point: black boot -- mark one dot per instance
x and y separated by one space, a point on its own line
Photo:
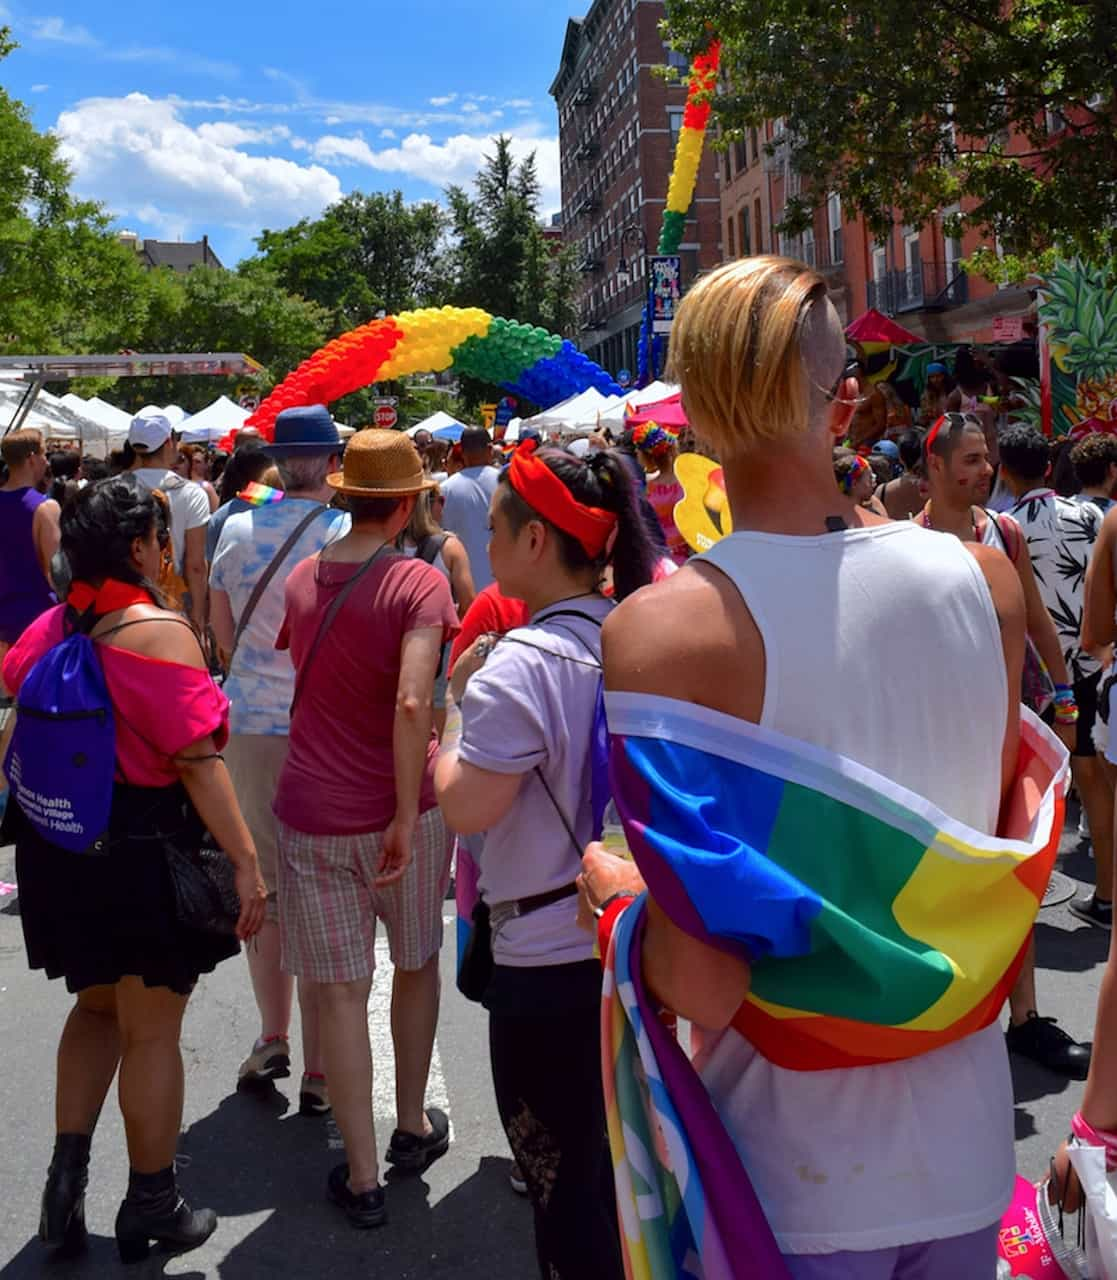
154 1210
62 1220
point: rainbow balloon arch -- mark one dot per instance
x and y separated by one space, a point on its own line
521 359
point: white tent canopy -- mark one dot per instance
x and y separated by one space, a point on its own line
613 415
114 420
214 422
56 419
432 424
579 413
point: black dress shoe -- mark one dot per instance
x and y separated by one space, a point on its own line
62 1218
1044 1041
154 1210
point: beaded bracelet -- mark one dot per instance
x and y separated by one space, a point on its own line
1066 708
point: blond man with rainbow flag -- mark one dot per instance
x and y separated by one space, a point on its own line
839 900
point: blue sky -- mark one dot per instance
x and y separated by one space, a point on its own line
226 118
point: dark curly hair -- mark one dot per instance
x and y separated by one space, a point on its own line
1092 457
602 480
1025 451
99 527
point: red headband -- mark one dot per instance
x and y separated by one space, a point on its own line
544 492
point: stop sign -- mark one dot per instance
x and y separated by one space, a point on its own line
385 416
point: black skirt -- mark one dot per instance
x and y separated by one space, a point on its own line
96 918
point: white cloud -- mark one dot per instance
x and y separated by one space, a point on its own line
184 61
55 30
225 133
37 88
384 133
444 101
61 32
141 158
454 160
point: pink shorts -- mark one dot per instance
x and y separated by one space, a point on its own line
329 903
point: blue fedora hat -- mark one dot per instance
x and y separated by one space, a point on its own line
308 429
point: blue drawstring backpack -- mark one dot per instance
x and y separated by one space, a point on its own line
61 760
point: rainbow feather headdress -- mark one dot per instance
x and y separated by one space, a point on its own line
877 928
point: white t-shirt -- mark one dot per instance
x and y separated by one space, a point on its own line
468 495
261 682
526 708
882 1156
188 501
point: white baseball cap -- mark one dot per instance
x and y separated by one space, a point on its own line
149 432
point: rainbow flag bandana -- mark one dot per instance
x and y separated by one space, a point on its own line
260 495
877 927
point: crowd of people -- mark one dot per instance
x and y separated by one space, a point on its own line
359 671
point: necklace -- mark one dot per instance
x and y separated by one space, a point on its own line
925 521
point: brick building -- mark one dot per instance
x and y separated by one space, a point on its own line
913 276
618 123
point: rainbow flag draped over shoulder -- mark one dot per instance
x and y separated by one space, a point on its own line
877 928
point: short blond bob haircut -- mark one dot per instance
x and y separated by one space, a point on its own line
749 348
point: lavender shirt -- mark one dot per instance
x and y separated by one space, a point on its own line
526 708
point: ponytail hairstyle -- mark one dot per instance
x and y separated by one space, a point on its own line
657 442
601 481
98 529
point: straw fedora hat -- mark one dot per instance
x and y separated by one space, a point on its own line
381 464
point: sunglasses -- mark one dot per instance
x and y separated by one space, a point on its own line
951 421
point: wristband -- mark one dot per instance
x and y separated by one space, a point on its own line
599 911
607 915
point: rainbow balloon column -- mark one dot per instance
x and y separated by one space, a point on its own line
522 359
684 177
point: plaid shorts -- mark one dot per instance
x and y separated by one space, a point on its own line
329 903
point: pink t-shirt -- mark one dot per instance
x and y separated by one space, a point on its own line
161 707
664 498
339 777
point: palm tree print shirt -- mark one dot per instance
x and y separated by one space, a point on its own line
1061 533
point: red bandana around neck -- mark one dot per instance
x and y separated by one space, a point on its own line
108 598
544 492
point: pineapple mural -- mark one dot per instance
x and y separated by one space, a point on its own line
1079 306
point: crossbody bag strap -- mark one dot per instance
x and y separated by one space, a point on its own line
268 574
328 620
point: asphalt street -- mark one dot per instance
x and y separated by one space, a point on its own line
263 1167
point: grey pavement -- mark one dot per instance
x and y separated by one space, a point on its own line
263 1167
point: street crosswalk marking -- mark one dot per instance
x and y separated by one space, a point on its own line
383 1056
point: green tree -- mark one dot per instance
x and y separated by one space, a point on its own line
907 113
560 298
366 253
63 275
498 248
215 310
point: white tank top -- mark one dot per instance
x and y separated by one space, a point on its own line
882 644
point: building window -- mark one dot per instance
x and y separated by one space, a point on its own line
739 157
880 263
679 61
952 245
808 254
758 224
912 262
730 240
724 160
675 126
834 222
754 138
746 233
